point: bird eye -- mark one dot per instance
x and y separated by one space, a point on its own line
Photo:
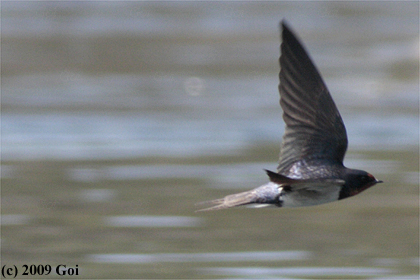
368 178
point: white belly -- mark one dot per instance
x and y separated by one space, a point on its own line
310 196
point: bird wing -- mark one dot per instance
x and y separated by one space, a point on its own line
296 184
314 128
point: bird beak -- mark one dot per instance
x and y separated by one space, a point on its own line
379 181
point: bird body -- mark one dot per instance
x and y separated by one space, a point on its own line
310 170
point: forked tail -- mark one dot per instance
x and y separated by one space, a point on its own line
229 201
266 194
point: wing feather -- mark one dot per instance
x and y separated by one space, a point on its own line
314 128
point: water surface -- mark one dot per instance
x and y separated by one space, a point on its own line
117 117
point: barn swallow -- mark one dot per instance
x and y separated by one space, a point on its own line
310 170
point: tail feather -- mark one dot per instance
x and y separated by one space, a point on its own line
229 201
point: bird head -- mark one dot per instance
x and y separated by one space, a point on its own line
356 182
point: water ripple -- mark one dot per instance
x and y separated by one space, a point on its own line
298 271
151 221
199 257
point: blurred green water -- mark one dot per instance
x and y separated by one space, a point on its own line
64 227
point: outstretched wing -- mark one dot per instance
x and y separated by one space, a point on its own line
314 128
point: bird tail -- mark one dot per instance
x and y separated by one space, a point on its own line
229 201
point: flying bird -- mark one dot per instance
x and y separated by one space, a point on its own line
310 170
